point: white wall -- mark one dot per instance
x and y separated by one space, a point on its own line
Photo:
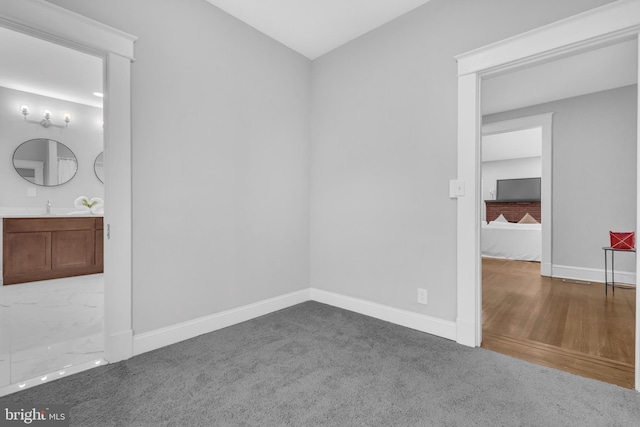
508 169
594 173
220 137
83 136
384 150
227 223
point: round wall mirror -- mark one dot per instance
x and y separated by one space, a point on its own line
45 162
98 166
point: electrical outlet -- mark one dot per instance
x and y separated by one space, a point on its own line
422 296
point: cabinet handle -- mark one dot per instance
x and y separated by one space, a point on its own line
108 231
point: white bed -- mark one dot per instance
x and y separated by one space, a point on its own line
512 241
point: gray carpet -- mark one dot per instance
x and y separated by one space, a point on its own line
313 364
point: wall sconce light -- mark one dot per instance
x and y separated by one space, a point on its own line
46 118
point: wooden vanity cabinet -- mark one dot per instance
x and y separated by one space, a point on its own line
51 248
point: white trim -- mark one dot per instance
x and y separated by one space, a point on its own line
545 123
547 197
614 22
118 254
469 297
48 21
159 338
591 274
118 345
409 319
637 361
606 24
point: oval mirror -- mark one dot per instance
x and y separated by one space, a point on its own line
45 162
98 166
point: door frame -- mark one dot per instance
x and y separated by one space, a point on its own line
612 23
52 23
545 123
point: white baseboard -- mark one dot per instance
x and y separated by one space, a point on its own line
182 331
591 274
409 319
159 338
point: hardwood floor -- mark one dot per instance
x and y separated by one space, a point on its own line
563 325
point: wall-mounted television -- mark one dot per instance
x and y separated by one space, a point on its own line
518 190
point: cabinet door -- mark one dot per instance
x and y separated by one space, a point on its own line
27 253
72 249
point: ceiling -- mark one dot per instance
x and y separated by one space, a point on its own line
33 65
315 27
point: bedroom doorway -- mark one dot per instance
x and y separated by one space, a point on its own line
556 313
516 155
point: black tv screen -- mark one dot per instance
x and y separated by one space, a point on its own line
518 190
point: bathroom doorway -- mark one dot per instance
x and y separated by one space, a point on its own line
50 328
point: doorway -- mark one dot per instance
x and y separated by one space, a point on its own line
52 325
49 22
535 160
589 178
606 25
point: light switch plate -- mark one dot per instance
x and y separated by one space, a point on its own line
456 188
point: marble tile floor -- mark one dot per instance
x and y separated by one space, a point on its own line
50 325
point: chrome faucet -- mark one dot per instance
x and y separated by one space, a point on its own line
48 207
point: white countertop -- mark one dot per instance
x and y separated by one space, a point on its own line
40 212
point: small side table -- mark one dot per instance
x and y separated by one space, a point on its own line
612 283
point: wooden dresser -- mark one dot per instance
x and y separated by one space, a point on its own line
42 248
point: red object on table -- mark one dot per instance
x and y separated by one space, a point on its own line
622 240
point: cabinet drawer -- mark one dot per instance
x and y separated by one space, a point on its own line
26 225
